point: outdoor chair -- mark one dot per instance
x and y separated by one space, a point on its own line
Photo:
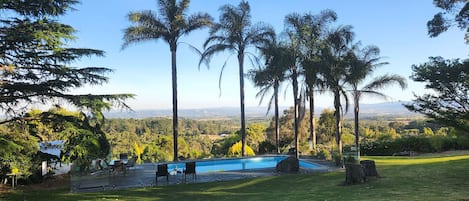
123 156
162 170
131 162
119 166
190 169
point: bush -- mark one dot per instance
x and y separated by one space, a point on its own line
266 147
324 154
235 150
462 142
436 143
422 144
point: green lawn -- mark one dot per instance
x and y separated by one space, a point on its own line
432 177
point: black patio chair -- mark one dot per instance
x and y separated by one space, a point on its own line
119 166
131 162
162 170
190 169
123 156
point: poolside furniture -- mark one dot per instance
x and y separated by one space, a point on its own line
162 170
131 162
190 169
123 156
118 165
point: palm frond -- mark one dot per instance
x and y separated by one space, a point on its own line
373 93
221 73
384 81
211 51
198 21
148 27
215 39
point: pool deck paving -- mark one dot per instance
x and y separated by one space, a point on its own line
144 175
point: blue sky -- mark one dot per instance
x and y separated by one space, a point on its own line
397 27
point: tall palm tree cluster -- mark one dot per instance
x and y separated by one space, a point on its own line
317 57
311 54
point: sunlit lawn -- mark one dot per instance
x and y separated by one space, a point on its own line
433 177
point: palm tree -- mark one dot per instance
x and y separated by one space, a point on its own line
333 69
271 77
305 32
293 30
310 30
236 33
170 24
362 63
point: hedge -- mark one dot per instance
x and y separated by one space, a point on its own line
420 144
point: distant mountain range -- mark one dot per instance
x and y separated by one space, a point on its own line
366 110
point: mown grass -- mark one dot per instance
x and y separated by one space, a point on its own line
431 177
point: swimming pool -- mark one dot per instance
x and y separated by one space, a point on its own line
239 164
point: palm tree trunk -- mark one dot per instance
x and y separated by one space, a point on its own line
296 112
311 119
241 96
357 134
175 100
338 121
277 127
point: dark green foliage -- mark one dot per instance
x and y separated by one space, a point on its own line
17 149
36 68
38 7
35 60
419 144
457 9
266 147
449 79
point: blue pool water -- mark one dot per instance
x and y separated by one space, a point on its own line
239 164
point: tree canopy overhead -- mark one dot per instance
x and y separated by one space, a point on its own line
36 65
441 22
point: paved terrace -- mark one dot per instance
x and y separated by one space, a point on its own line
144 176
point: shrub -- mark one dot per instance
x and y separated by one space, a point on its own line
423 144
436 143
266 147
324 154
462 142
235 150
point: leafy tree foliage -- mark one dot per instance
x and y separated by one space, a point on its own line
457 9
18 148
326 126
287 135
36 67
255 134
35 60
449 80
84 139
